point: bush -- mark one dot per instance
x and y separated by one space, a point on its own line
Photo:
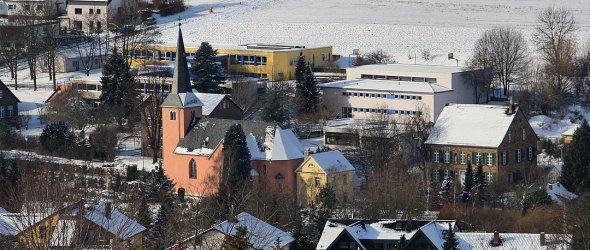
57 137
104 143
172 7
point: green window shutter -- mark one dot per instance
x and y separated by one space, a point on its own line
473 158
507 157
452 157
484 159
494 158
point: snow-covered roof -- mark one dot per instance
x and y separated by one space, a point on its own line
12 224
285 146
435 232
412 68
481 241
386 85
383 230
210 101
330 162
260 234
471 125
118 224
262 47
557 192
571 131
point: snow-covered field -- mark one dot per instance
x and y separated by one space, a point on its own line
400 27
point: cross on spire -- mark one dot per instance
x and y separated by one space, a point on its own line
179 19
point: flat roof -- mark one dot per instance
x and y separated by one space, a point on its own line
412 68
386 85
267 47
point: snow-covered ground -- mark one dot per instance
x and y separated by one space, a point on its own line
400 27
552 128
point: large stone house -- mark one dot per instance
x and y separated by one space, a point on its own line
498 137
192 144
8 105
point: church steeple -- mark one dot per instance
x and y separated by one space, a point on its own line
181 82
181 95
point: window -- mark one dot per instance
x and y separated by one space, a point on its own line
1 112
78 11
518 155
523 134
39 7
172 115
317 181
509 137
293 61
504 158
447 156
98 11
192 169
531 153
462 158
1 94
490 177
27 7
98 27
91 11
478 158
490 159
10 111
436 156
436 175
12 6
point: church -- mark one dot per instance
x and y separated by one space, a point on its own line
192 144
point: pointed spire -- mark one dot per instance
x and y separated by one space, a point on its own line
181 83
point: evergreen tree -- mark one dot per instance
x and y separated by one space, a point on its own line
307 92
480 182
118 87
300 68
468 183
327 197
9 181
208 74
235 175
239 241
57 137
143 212
446 185
277 104
575 175
161 233
402 244
451 243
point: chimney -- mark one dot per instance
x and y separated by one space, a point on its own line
108 210
496 241
510 108
542 239
306 154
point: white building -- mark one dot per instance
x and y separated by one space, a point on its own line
19 7
94 15
397 89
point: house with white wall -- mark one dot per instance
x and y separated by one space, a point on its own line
397 90
93 16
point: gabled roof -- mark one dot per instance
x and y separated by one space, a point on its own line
12 224
261 235
481 241
471 125
9 91
211 101
64 232
117 224
387 85
330 162
285 146
557 192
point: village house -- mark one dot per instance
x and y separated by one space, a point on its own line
192 144
498 137
274 62
397 90
374 234
79 225
11 8
76 59
94 16
8 105
260 235
325 169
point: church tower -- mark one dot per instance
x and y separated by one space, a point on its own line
180 108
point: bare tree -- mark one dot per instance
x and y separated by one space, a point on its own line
11 47
377 57
480 79
69 107
504 51
244 92
151 113
554 37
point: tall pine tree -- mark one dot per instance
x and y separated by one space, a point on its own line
235 174
451 243
208 74
143 212
468 183
306 89
277 105
575 175
118 87
480 182
402 244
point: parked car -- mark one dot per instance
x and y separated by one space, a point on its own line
149 21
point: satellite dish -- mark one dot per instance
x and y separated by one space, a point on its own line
451 56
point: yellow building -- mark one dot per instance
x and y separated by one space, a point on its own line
274 62
324 169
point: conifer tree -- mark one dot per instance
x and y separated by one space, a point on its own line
143 212
9 180
468 183
161 233
451 243
208 74
307 92
480 181
402 244
239 241
575 175
118 87
235 175
277 104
